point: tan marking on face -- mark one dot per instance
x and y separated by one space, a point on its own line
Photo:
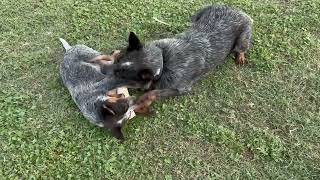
112 93
112 99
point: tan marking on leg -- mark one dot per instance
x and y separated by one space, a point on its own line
240 58
144 102
102 58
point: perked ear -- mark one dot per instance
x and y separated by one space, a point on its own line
117 133
134 42
145 75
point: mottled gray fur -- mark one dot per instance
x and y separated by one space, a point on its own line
88 85
176 63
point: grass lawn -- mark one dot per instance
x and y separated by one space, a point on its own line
258 121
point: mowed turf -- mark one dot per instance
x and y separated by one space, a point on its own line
258 121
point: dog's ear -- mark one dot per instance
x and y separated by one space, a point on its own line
145 74
106 110
134 42
117 133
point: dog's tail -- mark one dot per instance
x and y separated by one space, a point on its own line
65 44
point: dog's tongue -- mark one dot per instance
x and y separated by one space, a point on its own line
124 90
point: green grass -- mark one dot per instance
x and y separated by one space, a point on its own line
258 121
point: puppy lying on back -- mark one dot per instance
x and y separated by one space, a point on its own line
81 72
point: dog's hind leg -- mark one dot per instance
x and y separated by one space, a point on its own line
243 44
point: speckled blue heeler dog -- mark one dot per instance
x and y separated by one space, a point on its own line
81 72
173 65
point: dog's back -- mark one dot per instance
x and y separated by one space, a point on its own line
221 26
83 80
224 26
75 69
220 20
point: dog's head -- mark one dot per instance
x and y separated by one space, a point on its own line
139 63
114 111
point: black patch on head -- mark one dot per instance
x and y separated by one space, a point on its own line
111 113
134 42
144 62
143 75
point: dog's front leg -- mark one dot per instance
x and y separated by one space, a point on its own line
144 102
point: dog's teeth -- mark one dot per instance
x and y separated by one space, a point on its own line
127 63
157 72
120 121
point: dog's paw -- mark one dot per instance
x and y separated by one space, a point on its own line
146 112
240 59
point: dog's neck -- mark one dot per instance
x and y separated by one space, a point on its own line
163 44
